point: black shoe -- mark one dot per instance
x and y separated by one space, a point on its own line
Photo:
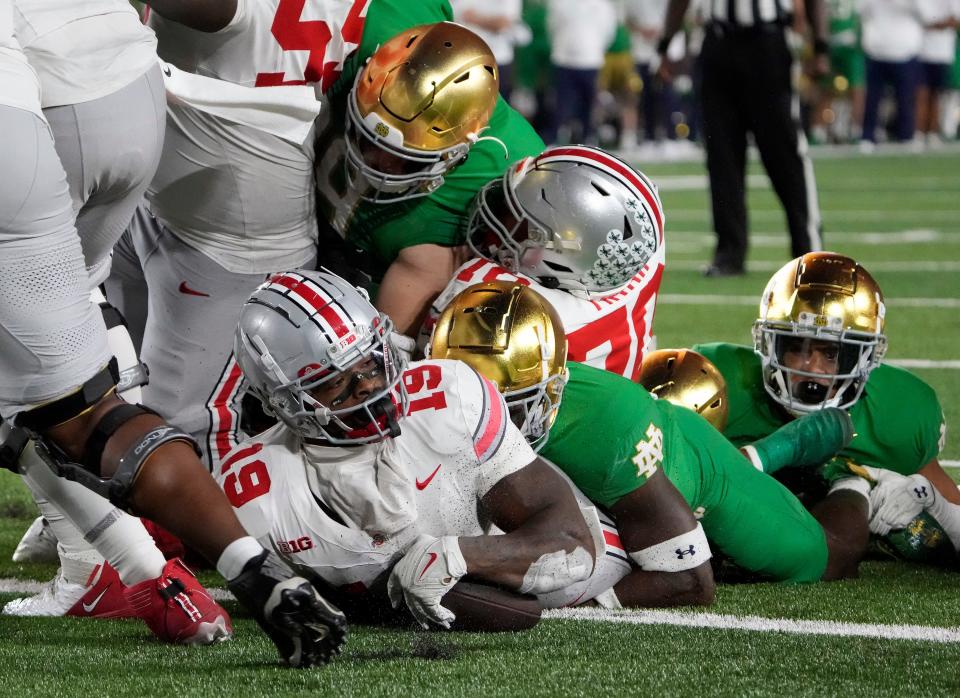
715 271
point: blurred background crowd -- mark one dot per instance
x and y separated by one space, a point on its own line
589 71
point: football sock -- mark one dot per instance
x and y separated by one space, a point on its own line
116 536
812 439
236 556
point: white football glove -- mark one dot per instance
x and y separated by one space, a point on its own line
429 570
898 500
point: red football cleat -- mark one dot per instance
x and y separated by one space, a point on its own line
104 597
178 609
101 596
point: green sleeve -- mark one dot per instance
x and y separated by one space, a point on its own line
441 218
751 413
608 436
898 422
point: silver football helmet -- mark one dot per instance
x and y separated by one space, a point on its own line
573 217
302 329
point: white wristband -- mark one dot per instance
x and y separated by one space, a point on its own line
683 552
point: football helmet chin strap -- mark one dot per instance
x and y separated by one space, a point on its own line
117 488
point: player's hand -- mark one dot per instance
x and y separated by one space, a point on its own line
896 501
305 628
429 570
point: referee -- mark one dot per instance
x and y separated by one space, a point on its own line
748 87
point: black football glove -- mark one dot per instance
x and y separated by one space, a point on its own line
306 629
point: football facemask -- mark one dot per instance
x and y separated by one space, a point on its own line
820 332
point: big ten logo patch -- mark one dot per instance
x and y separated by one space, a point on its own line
649 452
301 544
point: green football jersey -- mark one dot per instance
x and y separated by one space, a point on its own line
843 22
898 421
610 436
380 231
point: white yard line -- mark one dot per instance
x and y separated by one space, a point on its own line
677 618
696 239
10 585
772 265
704 299
759 624
950 463
946 215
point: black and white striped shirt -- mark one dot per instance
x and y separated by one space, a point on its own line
746 13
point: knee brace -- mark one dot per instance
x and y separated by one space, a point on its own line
118 487
12 442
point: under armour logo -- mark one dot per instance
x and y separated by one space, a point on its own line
681 553
921 492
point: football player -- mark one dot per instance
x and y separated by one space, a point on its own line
102 94
394 179
377 464
233 198
667 477
57 389
586 231
818 343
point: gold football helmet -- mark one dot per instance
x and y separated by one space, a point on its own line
510 334
820 332
688 379
416 108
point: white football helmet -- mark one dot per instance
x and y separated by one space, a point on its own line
574 218
302 329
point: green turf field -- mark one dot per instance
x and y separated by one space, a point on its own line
895 631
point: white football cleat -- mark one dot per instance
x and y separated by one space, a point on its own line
101 597
39 544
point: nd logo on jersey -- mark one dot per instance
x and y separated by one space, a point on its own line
649 452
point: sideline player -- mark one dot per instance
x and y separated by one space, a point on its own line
57 387
649 463
818 343
586 230
376 462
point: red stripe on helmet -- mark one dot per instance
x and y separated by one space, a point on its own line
617 166
323 307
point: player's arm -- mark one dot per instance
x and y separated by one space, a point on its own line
412 282
202 15
945 485
547 546
667 543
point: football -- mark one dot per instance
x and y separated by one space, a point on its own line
490 609
923 540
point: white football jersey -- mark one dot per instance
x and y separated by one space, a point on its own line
269 42
83 50
611 332
255 209
349 512
19 86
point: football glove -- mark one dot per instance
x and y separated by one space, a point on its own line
898 500
429 570
305 628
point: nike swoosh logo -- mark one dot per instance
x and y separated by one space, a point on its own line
88 607
433 558
422 485
190 292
